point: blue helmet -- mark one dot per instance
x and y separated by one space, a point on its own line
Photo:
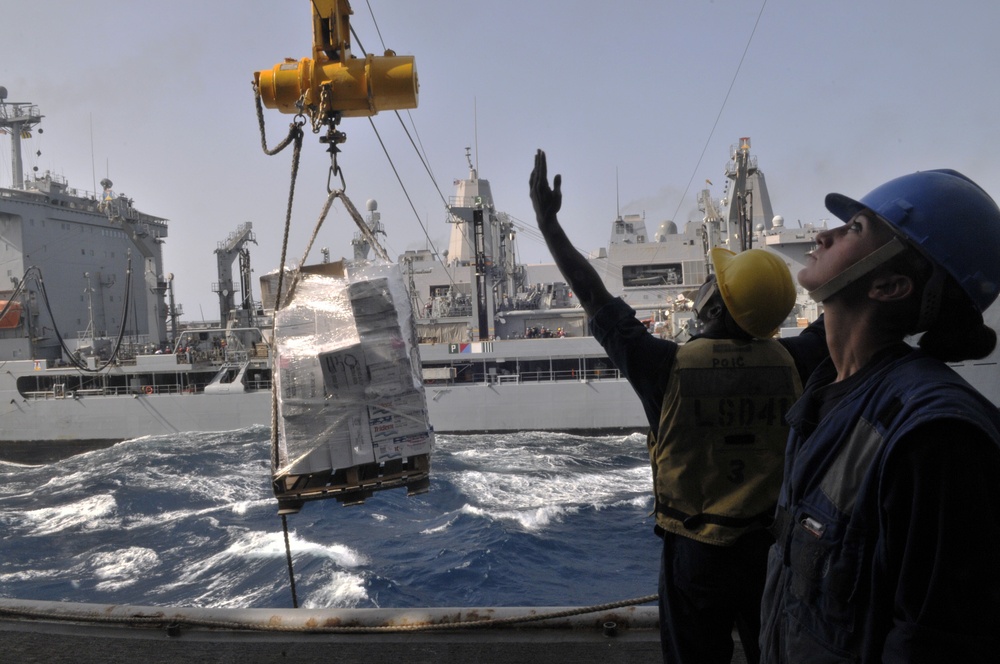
948 217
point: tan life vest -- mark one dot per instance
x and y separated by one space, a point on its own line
719 455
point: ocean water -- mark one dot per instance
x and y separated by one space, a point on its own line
525 519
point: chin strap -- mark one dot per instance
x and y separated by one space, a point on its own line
892 248
930 304
702 311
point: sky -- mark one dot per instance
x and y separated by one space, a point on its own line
636 103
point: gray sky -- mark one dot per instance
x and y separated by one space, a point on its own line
636 103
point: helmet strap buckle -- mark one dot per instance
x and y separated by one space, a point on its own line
930 303
705 294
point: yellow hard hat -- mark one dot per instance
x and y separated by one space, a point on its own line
757 288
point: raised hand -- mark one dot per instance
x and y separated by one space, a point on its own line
546 200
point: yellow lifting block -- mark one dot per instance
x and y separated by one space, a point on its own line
333 80
357 88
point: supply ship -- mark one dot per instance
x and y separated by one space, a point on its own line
93 350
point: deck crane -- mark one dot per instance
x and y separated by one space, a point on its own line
226 253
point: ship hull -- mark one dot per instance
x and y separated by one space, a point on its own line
582 407
42 430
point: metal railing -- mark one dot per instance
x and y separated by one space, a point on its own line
481 378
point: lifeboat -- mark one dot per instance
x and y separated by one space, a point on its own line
12 318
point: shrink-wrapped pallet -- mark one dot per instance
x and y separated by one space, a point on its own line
352 416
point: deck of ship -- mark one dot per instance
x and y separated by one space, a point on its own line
37 631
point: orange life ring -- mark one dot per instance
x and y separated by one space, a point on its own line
148 389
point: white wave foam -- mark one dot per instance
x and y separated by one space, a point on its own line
255 545
343 590
637 501
542 517
239 484
517 458
273 544
28 575
240 508
16 464
474 511
536 500
216 576
66 481
530 520
438 529
92 513
243 506
528 491
122 568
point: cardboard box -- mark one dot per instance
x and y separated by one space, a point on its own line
348 379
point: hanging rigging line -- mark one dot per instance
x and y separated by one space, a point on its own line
718 116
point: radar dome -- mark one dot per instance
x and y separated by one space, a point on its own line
778 221
371 205
666 228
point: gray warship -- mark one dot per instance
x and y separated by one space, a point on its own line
89 338
94 351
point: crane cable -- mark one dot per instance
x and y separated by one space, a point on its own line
295 135
294 138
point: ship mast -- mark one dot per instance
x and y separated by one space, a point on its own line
360 242
749 203
742 198
17 119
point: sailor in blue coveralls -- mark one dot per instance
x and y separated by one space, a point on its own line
717 435
888 523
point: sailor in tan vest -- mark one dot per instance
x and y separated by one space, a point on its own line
717 435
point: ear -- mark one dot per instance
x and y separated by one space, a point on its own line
891 288
711 313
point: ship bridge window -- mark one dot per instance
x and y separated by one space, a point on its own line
657 274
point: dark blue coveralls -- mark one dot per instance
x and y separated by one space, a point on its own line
888 520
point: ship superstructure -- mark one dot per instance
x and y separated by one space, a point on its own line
93 354
66 259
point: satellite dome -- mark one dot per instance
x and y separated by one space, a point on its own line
666 228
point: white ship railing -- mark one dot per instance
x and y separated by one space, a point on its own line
480 378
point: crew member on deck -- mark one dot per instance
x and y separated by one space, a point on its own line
889 516
717 436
